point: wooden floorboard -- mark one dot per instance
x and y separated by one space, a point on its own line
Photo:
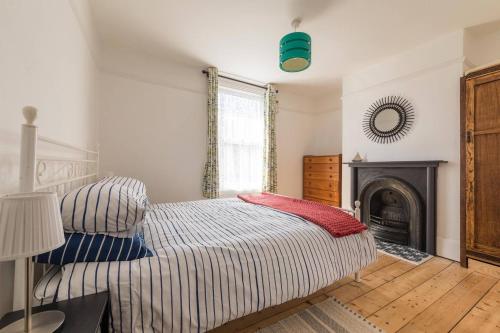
397 313
436 296
383 295
352 290
481 267
382 261
485 316
445 313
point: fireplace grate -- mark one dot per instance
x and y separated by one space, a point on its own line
391 230
389 222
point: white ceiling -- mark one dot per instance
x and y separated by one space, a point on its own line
241 37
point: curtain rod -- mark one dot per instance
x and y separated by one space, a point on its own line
240 81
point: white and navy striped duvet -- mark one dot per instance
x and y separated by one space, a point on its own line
215 261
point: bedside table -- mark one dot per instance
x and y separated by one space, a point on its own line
83 314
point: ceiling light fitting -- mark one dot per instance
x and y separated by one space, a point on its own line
295 50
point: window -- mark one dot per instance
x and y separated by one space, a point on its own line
241 140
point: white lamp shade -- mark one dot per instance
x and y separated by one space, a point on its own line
30 224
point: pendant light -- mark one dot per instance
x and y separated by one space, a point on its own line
295 50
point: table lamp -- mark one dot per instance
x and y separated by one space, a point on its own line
30 224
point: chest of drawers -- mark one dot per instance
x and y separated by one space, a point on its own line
322 181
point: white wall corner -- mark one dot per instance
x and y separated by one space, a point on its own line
482 45
84 16
468 65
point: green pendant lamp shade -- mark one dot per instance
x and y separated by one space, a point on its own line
295 52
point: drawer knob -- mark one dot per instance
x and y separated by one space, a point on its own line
330 176
330 168
330 159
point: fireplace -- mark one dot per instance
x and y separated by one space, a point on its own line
398 201
392 210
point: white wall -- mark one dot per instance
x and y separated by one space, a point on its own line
327 123
429 77
327 133
482 44
155 133
45 62
153 127
293 141
304 133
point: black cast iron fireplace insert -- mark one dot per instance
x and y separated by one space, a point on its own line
392 210
398 201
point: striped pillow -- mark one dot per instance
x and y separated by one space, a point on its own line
46 288
95 248
135 185
104 207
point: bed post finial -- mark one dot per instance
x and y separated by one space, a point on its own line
357 210
26 184
29 113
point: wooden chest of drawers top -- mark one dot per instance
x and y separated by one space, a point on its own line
336 159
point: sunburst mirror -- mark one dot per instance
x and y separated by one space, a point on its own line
388 119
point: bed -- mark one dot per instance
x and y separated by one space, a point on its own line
213 261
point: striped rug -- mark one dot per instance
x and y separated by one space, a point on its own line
327 316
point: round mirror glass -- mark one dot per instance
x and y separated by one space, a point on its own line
386 120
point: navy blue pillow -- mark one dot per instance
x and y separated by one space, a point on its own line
95 247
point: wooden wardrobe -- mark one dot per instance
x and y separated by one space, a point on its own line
480 232
322 180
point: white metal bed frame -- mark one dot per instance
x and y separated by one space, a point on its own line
58 173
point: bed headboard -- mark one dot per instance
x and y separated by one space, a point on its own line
62 168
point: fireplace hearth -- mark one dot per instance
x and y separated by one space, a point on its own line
398 201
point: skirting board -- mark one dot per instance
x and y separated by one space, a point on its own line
448 248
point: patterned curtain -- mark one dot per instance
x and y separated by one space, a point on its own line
211 174
270 173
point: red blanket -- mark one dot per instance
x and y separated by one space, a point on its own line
335 221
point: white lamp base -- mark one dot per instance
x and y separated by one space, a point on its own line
42 322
